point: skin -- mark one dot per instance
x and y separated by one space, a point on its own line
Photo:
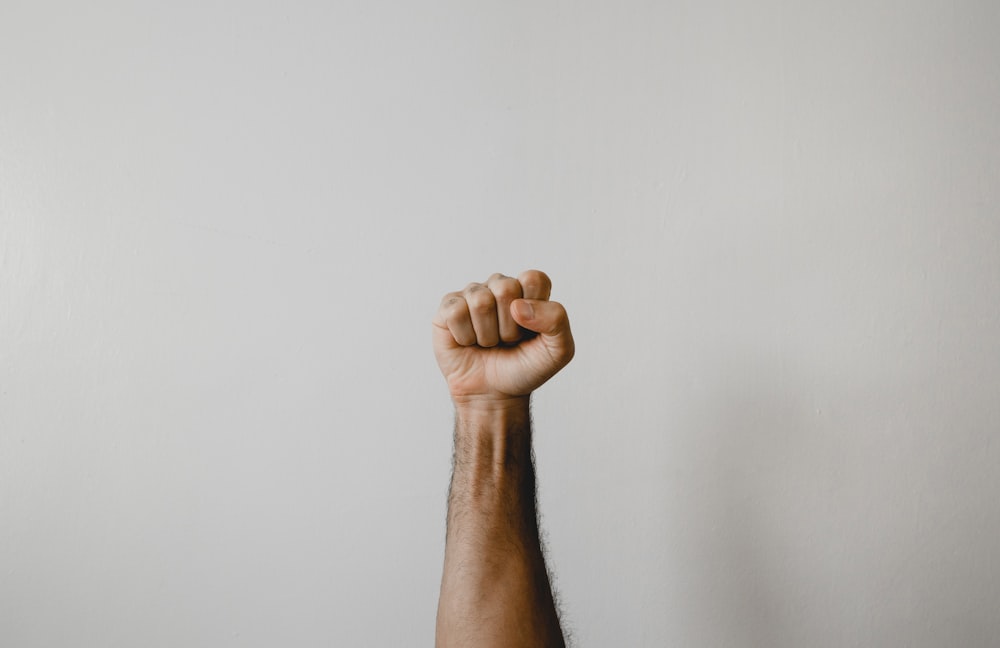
496 342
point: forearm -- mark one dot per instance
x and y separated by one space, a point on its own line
495 590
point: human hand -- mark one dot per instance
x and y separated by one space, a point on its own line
498 341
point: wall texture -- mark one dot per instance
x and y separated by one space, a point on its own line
224 228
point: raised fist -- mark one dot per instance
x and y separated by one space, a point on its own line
502 339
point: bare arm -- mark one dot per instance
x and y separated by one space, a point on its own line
494 352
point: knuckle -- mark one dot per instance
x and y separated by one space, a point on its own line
452 306
481 301
535 280
506 288
484 308
559 313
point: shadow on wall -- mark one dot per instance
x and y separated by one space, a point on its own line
809 518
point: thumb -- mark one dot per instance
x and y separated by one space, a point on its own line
547 318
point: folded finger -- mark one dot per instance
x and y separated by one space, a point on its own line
454 315
505 290
483 311
535 284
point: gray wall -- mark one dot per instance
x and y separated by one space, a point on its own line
224 228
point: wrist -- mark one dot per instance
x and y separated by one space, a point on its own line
484 404
492 415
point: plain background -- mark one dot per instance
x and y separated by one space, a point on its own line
225 227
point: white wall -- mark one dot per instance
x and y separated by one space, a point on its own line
224 229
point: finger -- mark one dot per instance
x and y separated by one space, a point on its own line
535 284
483 309
550 321
505 290
453 315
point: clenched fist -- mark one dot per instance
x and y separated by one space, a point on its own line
500 340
